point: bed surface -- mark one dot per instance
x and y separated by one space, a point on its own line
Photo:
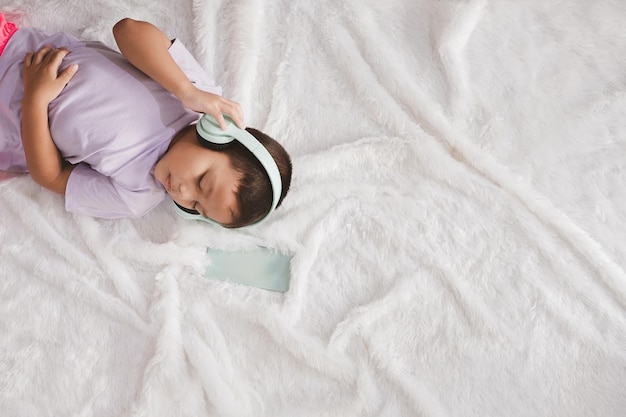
456 220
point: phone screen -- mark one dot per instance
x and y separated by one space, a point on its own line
263 268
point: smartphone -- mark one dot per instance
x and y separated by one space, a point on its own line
262 268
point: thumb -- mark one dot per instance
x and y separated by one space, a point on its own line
68 73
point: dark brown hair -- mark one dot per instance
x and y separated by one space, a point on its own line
254 193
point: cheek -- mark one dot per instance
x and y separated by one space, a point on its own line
160 170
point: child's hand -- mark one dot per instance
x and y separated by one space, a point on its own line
203 102
42 81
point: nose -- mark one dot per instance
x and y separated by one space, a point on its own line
184 192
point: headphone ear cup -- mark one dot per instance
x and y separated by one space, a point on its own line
212 145
185 209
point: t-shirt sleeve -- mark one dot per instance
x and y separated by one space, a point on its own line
90 193
192 68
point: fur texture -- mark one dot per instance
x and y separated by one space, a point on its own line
456 218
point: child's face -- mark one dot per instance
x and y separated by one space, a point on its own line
199 178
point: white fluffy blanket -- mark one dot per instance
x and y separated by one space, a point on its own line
457 219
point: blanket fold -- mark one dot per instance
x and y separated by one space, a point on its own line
456 218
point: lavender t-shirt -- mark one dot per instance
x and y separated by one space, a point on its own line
111 120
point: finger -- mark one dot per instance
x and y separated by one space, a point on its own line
238 119
67 74
55 57
235 113
239 122
41 54
219 118
28 59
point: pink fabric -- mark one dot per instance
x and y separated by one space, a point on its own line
4 175
7 29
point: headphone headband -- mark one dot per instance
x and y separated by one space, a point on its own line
211 133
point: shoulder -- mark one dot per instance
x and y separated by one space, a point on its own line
91 193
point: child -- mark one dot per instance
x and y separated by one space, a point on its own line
115 134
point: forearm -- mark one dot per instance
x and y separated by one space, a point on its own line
43 159
147 48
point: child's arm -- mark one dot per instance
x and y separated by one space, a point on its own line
42 84
146 47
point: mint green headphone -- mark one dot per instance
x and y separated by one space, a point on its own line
213 137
